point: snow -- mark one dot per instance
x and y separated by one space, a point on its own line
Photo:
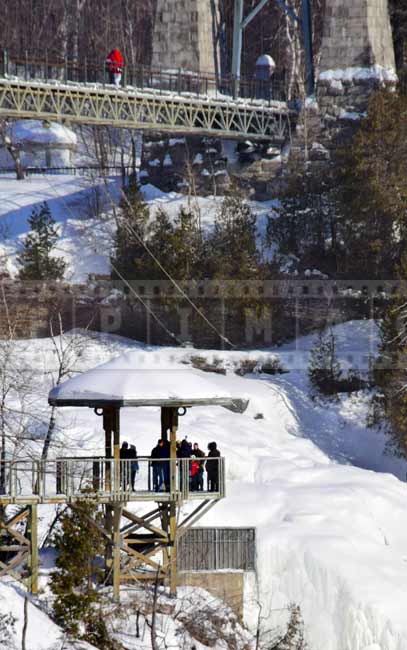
42 633
198 160
71 200
34 132
174 141
359 74
168 161
137 378
326 500
266 60
349 115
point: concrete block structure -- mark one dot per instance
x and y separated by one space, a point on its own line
356 33
183 36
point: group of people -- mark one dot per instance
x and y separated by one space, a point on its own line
160 463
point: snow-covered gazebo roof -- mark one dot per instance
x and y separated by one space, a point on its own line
128 380
37 133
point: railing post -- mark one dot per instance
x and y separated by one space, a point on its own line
4 62
65 68
85 70
26 66
46 65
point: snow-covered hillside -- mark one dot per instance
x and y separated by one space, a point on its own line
73 201
327 503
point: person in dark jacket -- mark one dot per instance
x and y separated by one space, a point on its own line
184 451
134 466
164 452
158 475
212 467
197 470
125 455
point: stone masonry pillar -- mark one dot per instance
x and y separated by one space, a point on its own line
356 33
183 35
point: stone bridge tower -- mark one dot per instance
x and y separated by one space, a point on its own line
356 33
356 57
183 35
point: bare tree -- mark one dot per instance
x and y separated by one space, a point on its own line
6 135
68 349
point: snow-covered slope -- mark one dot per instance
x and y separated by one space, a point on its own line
41 633
327 503
73 201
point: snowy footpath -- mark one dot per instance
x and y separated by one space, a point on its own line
327 502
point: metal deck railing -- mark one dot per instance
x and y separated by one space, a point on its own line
46 67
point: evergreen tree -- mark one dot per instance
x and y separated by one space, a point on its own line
373 188
308 220
79 542
324 371
161 244
231 248
188 245
36 259
130 258
389 405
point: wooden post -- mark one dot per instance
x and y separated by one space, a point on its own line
173 502
173 541
116 448
34 549
166 421
117 510
107 425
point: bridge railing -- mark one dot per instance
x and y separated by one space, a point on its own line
160 80
71 170
144 478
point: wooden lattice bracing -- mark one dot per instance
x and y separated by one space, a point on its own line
19 546
142 110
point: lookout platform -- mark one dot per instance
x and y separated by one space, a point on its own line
133 540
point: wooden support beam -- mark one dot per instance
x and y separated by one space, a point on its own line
150 575
142 523
117 511
152 540
142 558
15 519
194 517
7 569
34 557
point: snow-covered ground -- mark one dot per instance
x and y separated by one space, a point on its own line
327 502
73 201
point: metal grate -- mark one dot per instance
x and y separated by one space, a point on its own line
211 549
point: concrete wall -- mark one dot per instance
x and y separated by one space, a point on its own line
356 33
182 36
226 585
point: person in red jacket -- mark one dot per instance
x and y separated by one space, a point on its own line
115 63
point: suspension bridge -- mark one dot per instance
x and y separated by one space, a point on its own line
148 99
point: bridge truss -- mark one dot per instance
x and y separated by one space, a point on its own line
148 110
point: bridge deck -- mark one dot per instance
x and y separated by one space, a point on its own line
151 109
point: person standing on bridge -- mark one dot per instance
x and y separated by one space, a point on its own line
115 64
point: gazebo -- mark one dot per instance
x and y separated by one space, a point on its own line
129 381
